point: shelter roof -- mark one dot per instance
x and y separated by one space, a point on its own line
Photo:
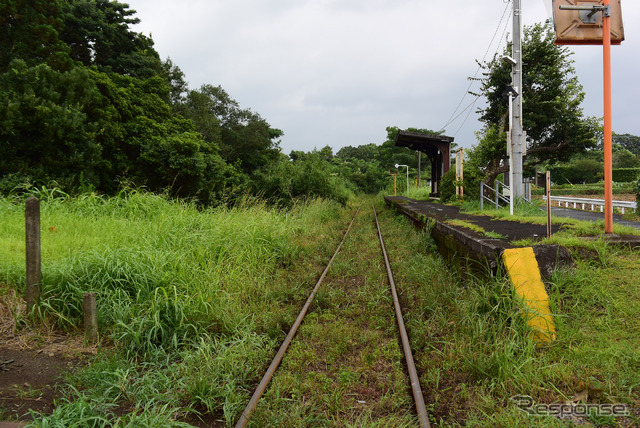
423 142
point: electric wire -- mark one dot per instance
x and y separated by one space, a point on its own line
473 79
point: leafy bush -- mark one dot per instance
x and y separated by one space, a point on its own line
448 186
638 190
308 177
626 175
579 171
472 178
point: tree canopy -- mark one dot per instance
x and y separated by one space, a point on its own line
86 103
552 114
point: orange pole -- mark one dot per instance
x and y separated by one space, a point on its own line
608 172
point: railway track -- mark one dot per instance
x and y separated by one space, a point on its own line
406 349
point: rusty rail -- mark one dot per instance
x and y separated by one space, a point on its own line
248 411
408 355
411 367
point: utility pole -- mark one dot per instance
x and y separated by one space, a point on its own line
517 137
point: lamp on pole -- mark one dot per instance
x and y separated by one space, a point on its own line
406 166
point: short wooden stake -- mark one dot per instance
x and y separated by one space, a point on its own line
32 247
548 189
90 315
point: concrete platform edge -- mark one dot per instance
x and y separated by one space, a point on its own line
480 254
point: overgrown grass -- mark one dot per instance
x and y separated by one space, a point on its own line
419 193
196 302
475 352
532 212
208 289
345 367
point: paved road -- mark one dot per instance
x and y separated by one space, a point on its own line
590 216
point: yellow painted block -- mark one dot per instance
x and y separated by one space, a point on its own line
524 273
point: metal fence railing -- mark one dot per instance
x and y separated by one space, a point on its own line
583 203
496 196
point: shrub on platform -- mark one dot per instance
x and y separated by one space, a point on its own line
448 186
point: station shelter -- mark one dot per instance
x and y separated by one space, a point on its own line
436 147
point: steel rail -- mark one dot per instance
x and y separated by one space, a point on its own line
408 355
248 411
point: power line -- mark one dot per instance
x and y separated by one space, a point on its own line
470 108
473 79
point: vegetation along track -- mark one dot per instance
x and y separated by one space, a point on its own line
383 388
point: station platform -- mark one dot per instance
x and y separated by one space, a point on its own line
470 247
458 242
512 230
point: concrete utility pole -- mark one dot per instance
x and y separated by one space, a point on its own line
518 138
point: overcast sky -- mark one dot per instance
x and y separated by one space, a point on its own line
338 72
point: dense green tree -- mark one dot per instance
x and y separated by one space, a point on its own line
45 133
361 165
87 128
29 31
366 152
86 102
243 136
552 114
176 80
97 33
580 170
629 142
311 175
623 158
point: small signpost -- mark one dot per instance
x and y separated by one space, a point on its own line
395 183
406 166
594 22
459 172
548 192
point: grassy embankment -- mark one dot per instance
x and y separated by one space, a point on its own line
595 359
477 354
194 304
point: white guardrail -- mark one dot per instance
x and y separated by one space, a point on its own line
585 202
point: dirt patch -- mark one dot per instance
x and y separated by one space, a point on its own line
28 381
33 362
204 419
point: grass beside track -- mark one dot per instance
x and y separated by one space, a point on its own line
193 305
345 366
193 301
475 354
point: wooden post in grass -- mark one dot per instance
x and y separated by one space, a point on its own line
90 317
32 247
548 188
